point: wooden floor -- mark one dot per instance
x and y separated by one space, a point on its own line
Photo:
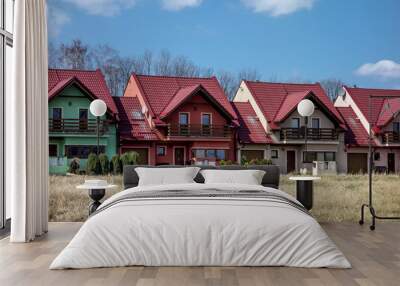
375 257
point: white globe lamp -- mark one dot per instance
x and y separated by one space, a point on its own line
305 108
98 108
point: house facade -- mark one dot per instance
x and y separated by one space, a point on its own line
271 127
176 120
72 128
384 117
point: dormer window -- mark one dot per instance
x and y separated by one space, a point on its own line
137 114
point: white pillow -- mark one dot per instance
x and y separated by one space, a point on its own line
166 176
248 177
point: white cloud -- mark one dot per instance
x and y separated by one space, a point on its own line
103 7
278 7
176 5
385 69
57 18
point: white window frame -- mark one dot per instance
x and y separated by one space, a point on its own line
165 150
6 39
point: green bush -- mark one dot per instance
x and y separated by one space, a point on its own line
256 162
74 166
227 162
93 166
104 163
116 165
129 158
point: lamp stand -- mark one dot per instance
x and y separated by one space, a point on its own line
98 135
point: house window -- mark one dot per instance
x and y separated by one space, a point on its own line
219 154
309 157
396 127
161 151
53 150
83 119
377 156
57 118
295 122
206 119
81 151
6 64
315 123
274 154
183 118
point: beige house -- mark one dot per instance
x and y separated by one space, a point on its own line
384 118
271 127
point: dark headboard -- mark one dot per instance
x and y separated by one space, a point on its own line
271 177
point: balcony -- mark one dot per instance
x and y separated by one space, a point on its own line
313 134
391 137
199 131
77 126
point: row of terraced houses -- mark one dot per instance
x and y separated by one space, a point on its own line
184 121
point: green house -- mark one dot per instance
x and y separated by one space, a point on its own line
72 128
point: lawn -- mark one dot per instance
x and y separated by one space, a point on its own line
336 198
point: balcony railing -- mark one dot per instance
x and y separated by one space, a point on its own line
77 126
198 130
314 134
390 137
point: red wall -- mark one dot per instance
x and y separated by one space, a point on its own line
195 107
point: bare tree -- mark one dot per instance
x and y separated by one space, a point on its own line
249 74
182 66
75 55
162 66
54 56
147 59
228 83
332 87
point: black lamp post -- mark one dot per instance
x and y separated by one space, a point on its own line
98 108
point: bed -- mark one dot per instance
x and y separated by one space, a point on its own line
198 224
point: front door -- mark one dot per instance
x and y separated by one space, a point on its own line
179 156
57 118
391 163
290 161
83 119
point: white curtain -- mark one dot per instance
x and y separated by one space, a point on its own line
27 124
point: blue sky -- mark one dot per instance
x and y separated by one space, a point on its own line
357 41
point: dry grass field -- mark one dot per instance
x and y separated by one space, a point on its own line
336 198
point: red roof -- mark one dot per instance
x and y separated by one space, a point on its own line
92 80
132 124
277 100
356 135
163 93
383 106
178 98
251 130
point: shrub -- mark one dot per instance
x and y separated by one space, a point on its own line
93 166
74 166
115 165
104 163
256 162
129 158
226 162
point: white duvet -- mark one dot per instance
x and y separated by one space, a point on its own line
200 232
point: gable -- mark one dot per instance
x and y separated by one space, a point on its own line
159 91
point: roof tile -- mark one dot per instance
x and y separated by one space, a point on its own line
251 130
160 90
93 80
132 123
